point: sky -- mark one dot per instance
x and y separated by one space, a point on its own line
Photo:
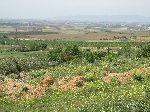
44 9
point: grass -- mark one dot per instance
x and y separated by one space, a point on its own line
6 54
96 94
101 97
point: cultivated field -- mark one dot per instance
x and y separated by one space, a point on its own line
85 36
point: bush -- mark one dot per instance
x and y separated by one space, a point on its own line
55 55
90 77
144 51
88 56
72 50
36 46
99 55
64 55
16 65
25 89
30 46
125 50
7 66
138 77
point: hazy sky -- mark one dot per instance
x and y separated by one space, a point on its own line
50 8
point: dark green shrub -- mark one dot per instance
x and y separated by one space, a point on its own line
22 49
3 41
32 46
55 55
64 55
16 65
144 51
72 50
36 46
25 89
99 55
79 84
7 66
70 53
138 77
88 56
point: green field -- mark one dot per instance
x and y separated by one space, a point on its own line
74 76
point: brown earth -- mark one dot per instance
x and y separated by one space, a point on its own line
14 89
93 36
121 77
124 77
20 90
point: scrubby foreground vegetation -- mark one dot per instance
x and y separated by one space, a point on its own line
74 76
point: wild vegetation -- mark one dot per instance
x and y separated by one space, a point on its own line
74 76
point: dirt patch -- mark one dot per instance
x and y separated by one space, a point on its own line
124 77
71 83
16 90
47 81
20 90
121 77
141 70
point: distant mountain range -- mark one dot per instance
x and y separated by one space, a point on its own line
89 18
116 18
